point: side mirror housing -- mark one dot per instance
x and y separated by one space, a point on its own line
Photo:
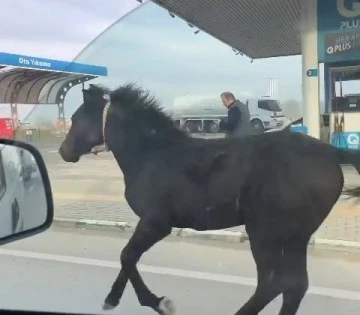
26 203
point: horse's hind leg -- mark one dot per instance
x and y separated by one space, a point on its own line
146 234
163 305
145 296
295 275
267 253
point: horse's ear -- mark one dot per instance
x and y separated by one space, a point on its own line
86 95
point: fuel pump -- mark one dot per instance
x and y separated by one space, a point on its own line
344 109
338 103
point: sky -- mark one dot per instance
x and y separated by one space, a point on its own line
146 46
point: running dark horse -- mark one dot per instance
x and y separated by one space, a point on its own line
280 185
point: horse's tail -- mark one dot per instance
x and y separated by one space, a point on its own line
352 158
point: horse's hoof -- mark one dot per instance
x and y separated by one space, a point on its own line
107 306
166 307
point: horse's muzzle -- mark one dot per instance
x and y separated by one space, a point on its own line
67 156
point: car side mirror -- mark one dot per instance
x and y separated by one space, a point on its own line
26 203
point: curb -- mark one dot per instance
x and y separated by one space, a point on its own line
220 235
336 243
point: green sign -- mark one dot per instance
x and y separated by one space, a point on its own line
312 72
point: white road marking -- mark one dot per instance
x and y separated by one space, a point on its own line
84 196
245 281
114 180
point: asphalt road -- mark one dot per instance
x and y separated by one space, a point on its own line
71 270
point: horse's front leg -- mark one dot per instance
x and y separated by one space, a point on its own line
147 233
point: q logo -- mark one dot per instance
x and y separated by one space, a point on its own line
353 140
348 13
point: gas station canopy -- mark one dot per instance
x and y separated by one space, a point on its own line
32 80
258 29
322 31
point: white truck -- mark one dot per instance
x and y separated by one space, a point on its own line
202 114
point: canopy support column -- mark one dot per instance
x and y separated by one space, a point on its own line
61 117
310 66
14 102
14 115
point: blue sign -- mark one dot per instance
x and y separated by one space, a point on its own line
312 72
338 30
50 65
346 140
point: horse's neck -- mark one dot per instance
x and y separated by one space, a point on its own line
130 161
132 156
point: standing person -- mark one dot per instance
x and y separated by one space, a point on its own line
238 123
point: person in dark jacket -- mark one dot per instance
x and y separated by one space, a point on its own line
238 123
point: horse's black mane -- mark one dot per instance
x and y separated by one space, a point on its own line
132 95
141 105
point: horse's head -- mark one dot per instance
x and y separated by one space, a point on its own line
136 122
86 129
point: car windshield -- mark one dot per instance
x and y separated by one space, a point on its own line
154 196
271 105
